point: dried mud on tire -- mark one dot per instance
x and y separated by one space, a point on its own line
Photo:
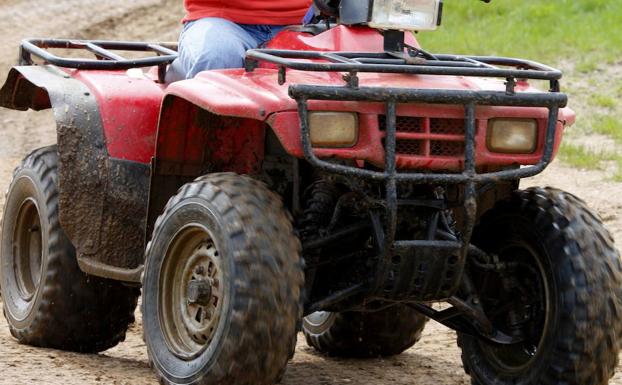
434 360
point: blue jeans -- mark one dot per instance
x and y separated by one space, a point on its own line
214 43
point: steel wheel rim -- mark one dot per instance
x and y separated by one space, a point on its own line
318 318
514 359
27 250
319 321
188 322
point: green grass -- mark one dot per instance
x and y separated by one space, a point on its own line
583 158
609 125
587 159
604 101
587 65
587 31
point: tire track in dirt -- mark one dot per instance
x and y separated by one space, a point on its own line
21 132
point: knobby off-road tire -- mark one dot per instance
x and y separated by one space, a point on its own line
364 335
48 301
229 238
582 275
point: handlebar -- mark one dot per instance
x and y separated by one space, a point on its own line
328 7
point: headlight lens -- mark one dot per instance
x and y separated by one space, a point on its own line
333 129
513 136
416 15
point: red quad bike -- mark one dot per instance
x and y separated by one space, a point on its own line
345 176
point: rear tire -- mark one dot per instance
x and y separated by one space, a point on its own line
48 301
222 291
564 294
364 335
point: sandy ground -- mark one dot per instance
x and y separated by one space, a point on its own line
435 360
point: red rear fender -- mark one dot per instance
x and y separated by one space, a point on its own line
104 144
129 107
127 102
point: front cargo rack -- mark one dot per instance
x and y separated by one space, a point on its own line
415 61
104 51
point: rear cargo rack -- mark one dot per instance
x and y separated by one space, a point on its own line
105 57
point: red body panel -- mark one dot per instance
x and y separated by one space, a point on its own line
130 107
257 95
187 137
369 146
341 38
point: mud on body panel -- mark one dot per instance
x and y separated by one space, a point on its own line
103 201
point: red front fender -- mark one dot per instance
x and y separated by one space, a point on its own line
236 93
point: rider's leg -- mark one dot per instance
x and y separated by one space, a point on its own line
213 43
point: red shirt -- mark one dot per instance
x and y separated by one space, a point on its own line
270 12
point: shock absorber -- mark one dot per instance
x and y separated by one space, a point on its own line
321 199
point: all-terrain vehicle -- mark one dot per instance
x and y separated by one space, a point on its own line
340 184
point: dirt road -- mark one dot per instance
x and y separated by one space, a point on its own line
435 360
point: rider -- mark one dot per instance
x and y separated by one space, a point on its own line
217 33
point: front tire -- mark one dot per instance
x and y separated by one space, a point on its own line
383 333
48 301
563 295
222 285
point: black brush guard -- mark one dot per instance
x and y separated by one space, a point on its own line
416 62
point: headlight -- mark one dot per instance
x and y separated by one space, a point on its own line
513 136
415 15
333 129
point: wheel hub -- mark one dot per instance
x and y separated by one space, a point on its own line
27 250
200 292
518 307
